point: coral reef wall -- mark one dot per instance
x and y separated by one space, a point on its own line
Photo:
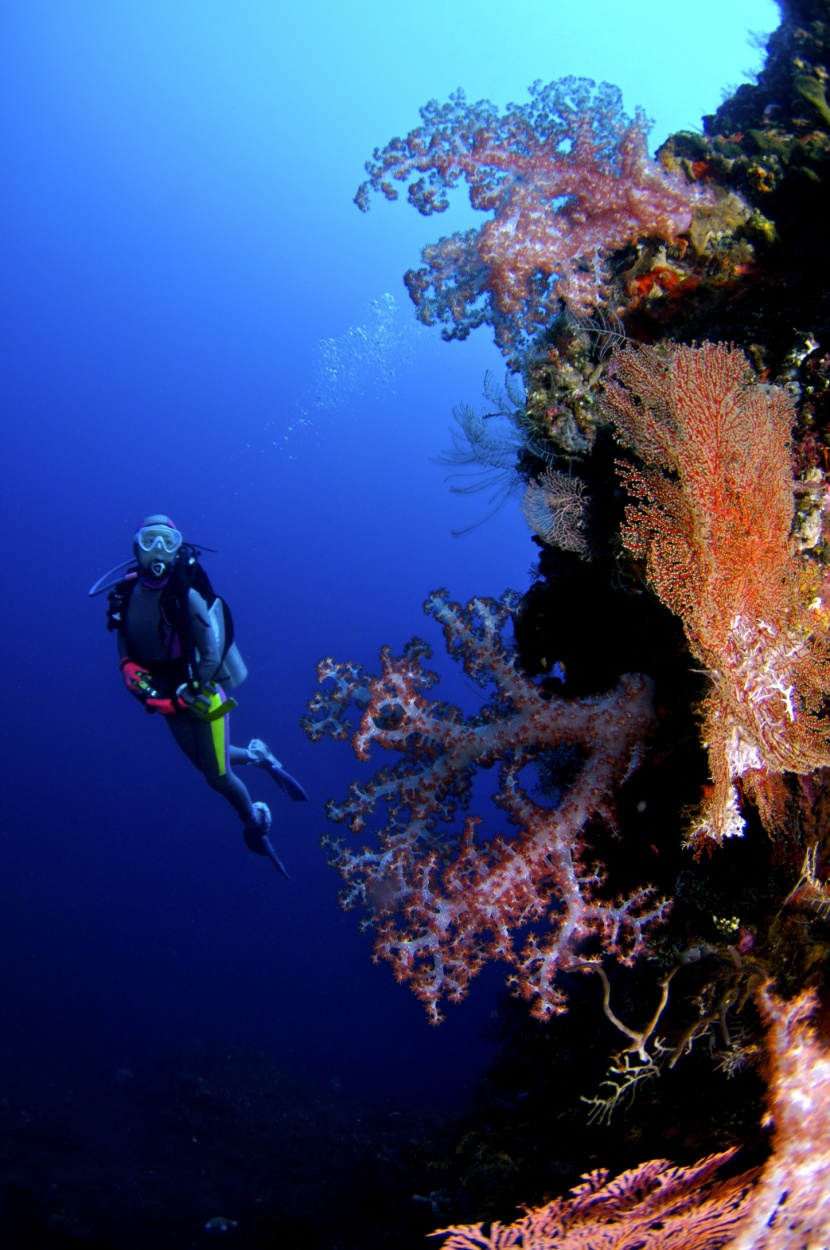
658 727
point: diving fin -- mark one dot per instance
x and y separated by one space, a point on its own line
288 784
255 836
264 758
268 847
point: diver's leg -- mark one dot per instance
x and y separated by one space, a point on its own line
205 743
240 756
181 728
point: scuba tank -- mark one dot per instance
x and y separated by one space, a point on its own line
234 669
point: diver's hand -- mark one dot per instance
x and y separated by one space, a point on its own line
167 707
195 699
137 680
186 699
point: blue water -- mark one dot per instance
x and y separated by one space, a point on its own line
196 320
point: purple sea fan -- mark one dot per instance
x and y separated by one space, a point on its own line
554 507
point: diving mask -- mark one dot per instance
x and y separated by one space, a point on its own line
158 540
156 544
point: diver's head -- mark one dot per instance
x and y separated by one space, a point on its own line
156 545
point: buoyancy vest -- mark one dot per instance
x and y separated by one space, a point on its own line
175 626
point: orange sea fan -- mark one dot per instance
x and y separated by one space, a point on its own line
711 516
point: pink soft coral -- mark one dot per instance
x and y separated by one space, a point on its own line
444 902
568 179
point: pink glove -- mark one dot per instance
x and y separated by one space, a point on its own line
137 680
169 707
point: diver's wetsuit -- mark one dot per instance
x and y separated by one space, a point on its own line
145 637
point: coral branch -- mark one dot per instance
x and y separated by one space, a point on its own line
443 902
790 1208
568 179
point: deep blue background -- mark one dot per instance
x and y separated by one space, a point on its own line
195 319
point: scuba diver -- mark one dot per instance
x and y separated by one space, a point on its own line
178 657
